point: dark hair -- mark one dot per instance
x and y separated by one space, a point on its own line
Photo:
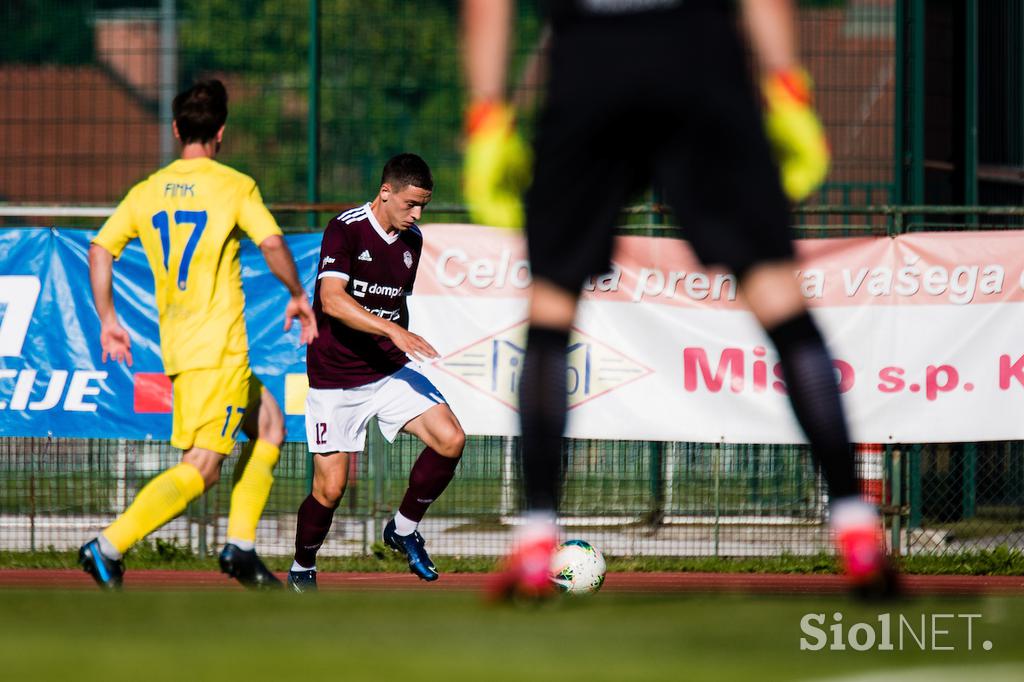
407 169
201 111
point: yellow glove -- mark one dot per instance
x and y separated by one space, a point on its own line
496 167
795 133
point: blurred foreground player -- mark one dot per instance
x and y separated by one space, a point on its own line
186 216
358 368
658 91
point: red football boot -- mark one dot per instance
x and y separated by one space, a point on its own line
865 564
526 571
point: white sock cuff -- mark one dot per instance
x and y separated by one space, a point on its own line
244 545
852 512
538 526
107 548
296 566
405 526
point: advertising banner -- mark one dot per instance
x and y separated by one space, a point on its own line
924 328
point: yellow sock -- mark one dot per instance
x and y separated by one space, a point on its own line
251 492
158 502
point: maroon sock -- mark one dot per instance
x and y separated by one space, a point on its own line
430 475
311 530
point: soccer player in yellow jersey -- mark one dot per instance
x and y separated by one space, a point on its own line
187 216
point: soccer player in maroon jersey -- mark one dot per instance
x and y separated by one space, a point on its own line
358 367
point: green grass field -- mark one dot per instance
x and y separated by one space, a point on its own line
452 636
169 555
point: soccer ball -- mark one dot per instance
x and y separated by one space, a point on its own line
577 568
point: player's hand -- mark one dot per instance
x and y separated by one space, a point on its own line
413 345
298 308
795 133
496 167
116 343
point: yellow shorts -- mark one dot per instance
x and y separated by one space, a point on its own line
210 405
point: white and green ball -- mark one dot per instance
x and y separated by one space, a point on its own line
577 568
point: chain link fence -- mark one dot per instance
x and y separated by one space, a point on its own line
321 94
632 498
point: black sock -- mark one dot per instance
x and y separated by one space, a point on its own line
542 408
312 525
814 394
430 475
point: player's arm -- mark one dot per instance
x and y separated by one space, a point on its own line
257 222
792 125
108 244
496 163
337 303
769 25
486 26
280 262
114 339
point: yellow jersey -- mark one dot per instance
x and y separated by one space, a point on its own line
186 215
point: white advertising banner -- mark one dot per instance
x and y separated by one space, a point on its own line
927 331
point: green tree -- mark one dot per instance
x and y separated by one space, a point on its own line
390 82
53 31
32 36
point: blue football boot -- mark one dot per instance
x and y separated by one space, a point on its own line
108 573
412 546
302 581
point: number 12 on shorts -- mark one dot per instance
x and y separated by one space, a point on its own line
321 433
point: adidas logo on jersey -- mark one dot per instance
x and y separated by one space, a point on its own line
365 255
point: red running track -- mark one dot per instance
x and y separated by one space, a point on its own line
749 583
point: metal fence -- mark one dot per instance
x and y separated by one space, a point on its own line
921 101
323 92
631 498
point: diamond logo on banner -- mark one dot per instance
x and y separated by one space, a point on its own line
493 366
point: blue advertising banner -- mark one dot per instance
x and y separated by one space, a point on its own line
52 379
657 337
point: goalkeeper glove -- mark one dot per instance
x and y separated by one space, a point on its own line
496 167
795 132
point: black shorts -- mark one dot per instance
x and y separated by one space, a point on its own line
664 97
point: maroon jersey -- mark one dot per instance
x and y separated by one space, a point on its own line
380 269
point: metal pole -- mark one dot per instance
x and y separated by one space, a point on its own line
971 107
505 506
970 480
120 501
313 116
671 464
32 464
374 456
917 95
309 473
203 520
716 454
899 104
897 497
168 78
915 496
656 460
1017 119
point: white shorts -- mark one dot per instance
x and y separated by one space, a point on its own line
336 418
